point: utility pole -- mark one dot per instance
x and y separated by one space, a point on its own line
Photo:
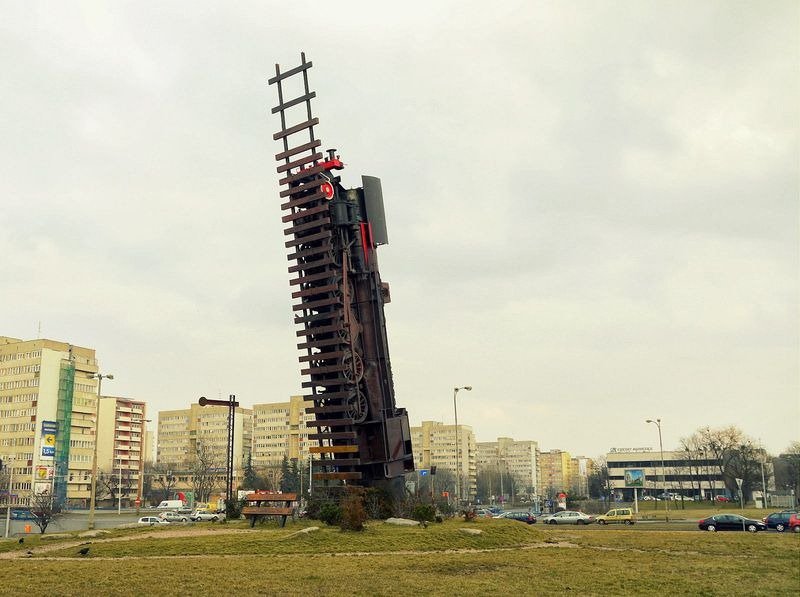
8 500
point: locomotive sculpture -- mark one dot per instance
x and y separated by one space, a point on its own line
332 235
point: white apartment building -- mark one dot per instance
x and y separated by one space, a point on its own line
279 430
121 450
183 433
48 401
436 444
510 458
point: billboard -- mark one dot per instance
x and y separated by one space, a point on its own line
49 430
634 477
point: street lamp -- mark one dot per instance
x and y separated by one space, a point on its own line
142 450
92 497
458 469
657 423
8 500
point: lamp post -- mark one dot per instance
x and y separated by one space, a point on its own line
119 489
92 496
8 500
142 442
657 423
458 447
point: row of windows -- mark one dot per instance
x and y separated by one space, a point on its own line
675 463
13 427
73 457
17 412
81 443
20 383
21 356
32 397
17 441
82 387
20 369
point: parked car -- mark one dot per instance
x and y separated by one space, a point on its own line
778 520
568 517
151 520
22 514
622 515
794 523
173 517
648 498
731 522
200 515
722 498
520 515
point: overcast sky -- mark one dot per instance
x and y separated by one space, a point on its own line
592 206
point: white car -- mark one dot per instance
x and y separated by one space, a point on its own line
151 520
199 515
568 517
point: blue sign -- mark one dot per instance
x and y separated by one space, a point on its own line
423 472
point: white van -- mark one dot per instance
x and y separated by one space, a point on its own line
170 505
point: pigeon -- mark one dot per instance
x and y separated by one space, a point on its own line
28 554
83 551
21 540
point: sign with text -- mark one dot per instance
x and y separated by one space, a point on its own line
49 430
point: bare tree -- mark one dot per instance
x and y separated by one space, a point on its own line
204 472
164 479
109 484
787 469
735 456
43 509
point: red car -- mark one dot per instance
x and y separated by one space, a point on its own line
794 522
722 498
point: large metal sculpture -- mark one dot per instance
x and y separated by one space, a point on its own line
333 233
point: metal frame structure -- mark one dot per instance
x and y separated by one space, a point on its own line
332 237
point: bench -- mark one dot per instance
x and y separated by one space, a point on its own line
262 504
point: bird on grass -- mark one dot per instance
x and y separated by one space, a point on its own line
83 551
21 540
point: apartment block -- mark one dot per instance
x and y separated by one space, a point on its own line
185 433
517 459
436 444
555 472
48 402
279 430
580 468
121 450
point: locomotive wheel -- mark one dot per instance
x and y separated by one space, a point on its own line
357 407
354 367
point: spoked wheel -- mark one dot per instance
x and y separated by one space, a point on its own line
712 528
357 407
752 528
353 367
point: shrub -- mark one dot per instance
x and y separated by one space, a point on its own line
379 503
424 512
352 513
330 513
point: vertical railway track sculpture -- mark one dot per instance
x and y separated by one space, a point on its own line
362 437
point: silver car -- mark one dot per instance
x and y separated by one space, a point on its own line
567 517
199 515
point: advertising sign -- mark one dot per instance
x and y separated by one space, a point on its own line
43 473
634 477
49 430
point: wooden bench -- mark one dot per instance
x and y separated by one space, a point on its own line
262 503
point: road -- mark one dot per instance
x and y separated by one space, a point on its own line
75 521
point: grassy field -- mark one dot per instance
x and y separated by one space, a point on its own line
506 558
